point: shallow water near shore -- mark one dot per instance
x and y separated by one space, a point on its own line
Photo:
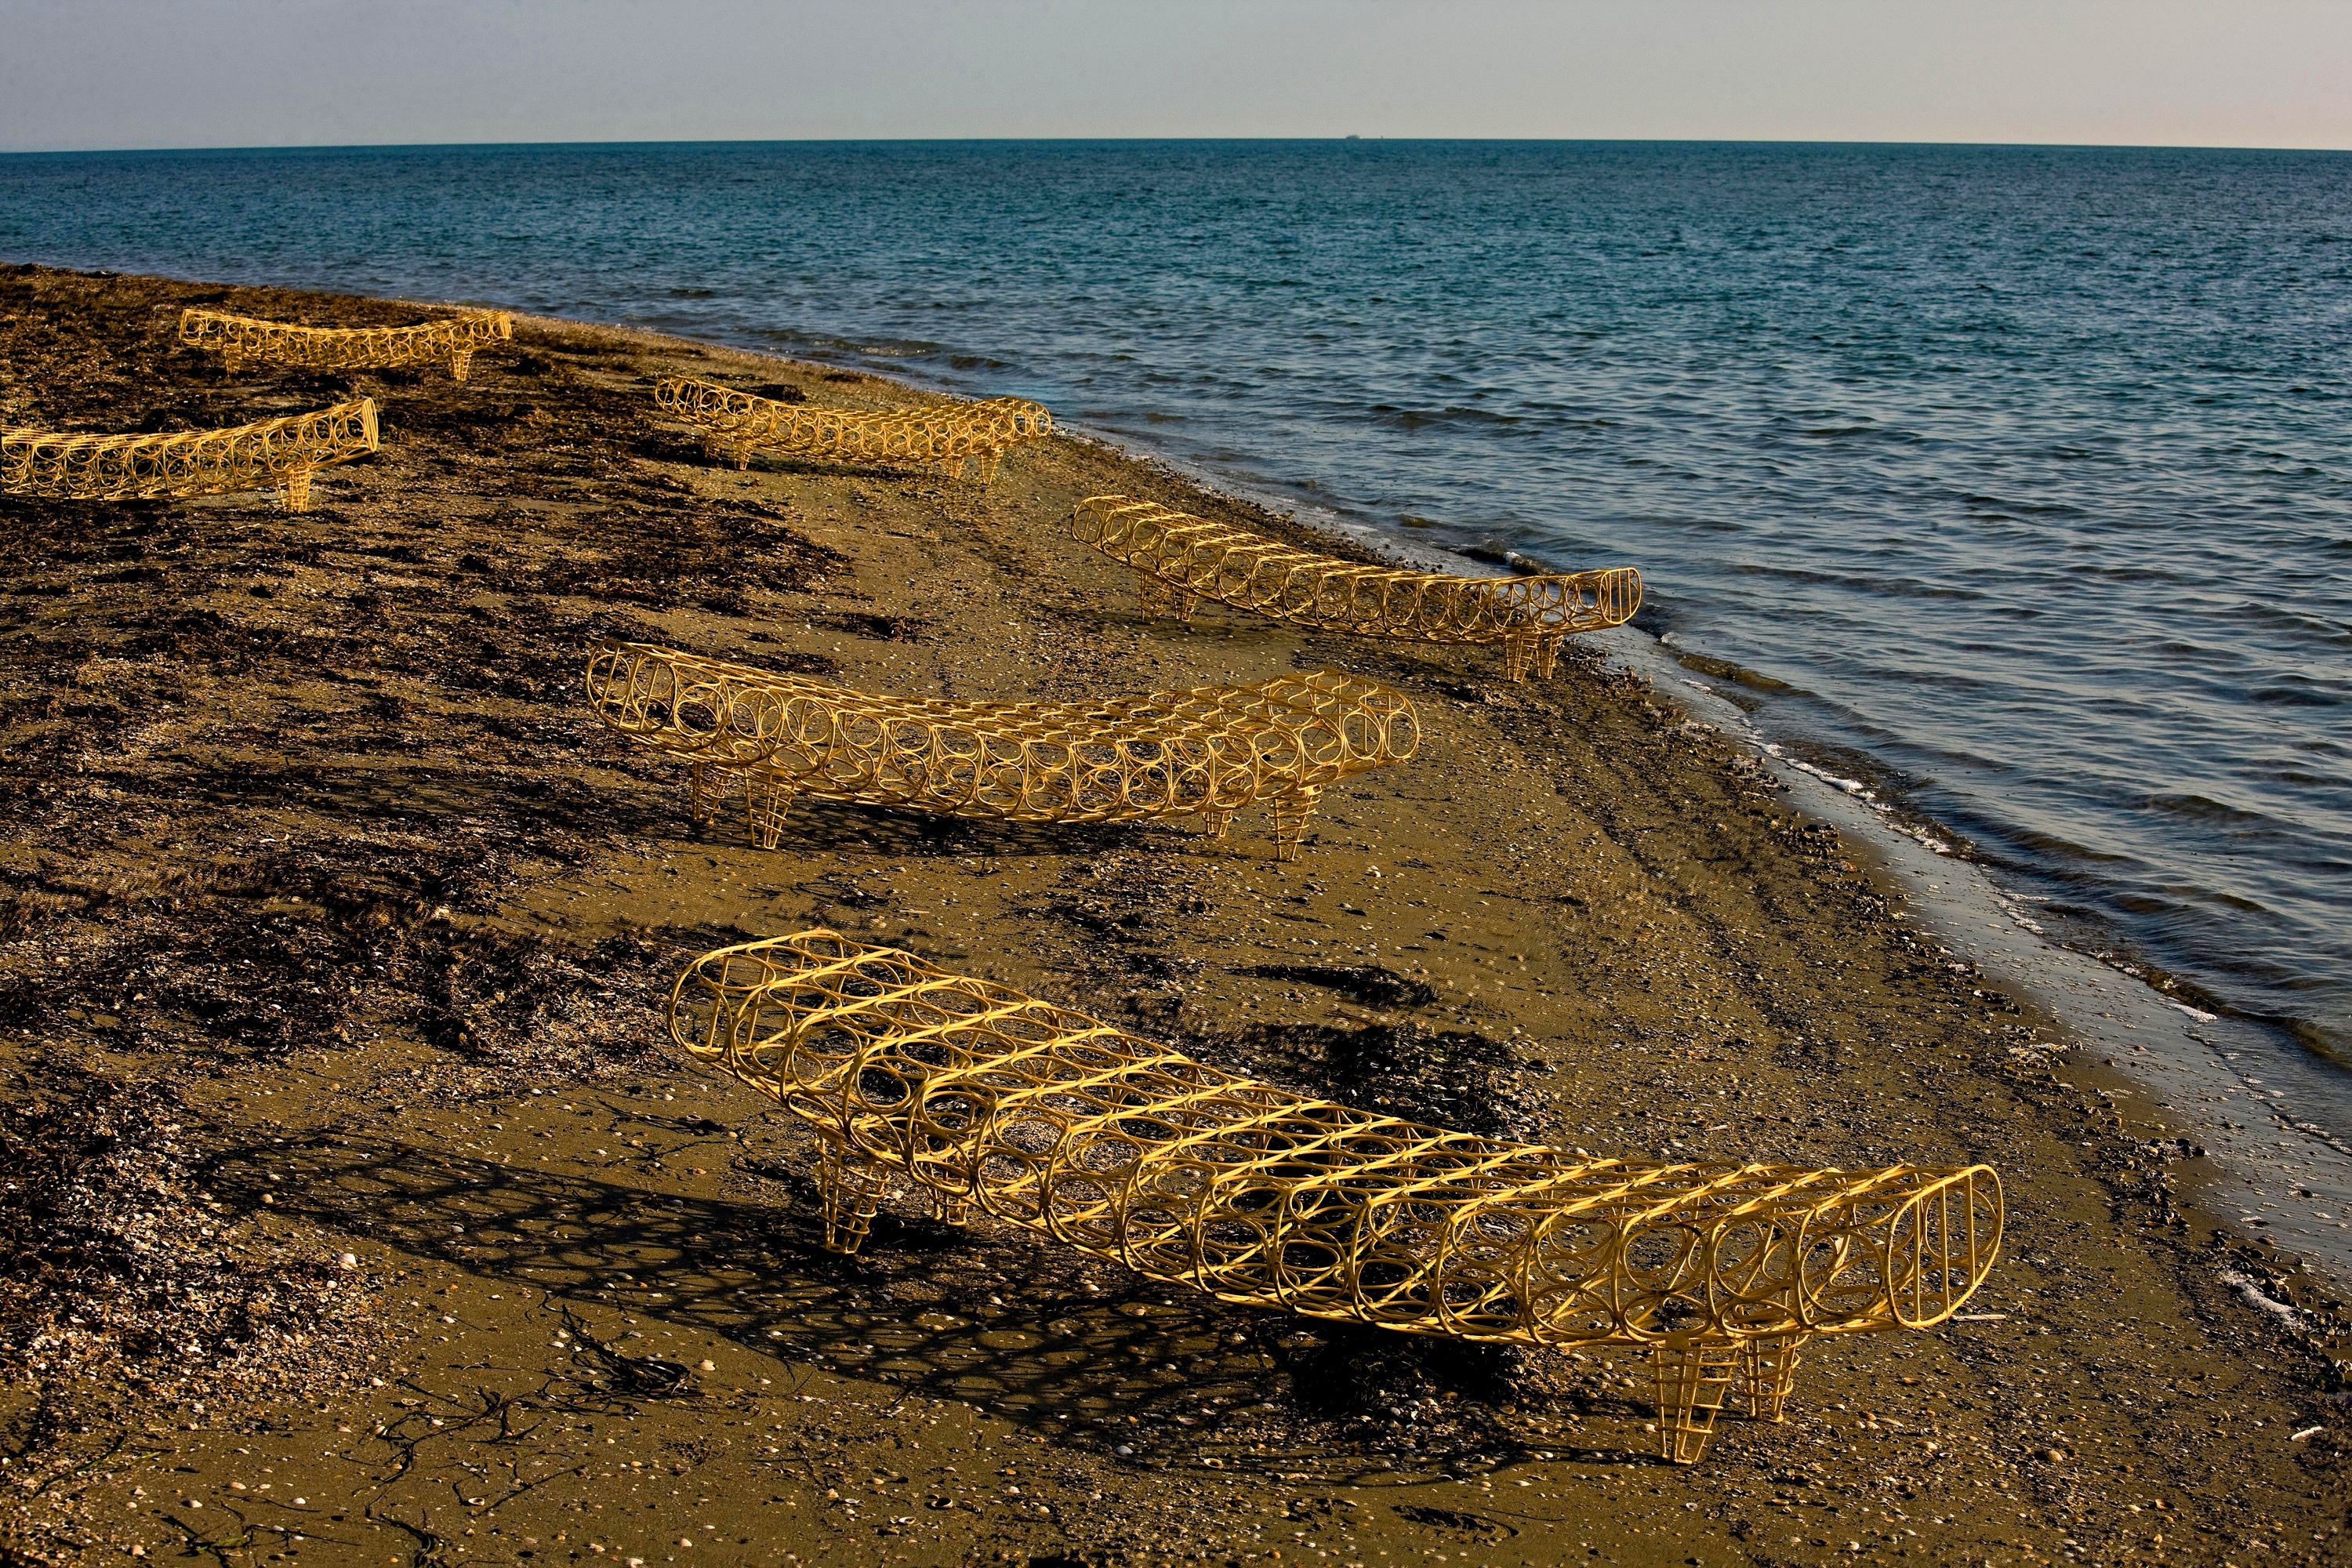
2007 480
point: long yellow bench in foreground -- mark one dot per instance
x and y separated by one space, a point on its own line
282 453
939 437
1179 560
1173 754
238 339
1126 1149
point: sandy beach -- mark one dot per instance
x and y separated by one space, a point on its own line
358 1210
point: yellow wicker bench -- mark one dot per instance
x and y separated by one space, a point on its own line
238 339
940 437
1046 1117
282 453
1179 560
1173 754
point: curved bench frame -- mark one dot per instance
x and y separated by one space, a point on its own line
1126 1149
938 437
1179 560
238 339
282 453
1172 753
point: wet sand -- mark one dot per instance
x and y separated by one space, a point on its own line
359 1214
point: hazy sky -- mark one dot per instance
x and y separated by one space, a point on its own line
208 73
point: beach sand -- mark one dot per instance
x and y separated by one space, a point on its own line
361 1213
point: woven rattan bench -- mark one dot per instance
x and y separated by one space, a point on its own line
282 453
239 339
1173 754
1179 560
940 437
1046 1117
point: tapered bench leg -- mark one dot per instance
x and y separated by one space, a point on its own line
297 490
460 362
1181 604
1548 656
1768 1372
1692 1376
988 461
769 798
949 1209
851 1187
1518 652
708 785
1151 595
1290 813
1219 823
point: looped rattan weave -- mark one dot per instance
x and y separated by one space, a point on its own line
1179 560
1173 754
1044 1117
238 339
938 437
284 453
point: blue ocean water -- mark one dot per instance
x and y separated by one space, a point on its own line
2019 474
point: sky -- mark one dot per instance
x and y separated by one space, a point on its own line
94 74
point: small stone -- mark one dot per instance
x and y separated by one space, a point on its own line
348 1260
2055 1456
706 1366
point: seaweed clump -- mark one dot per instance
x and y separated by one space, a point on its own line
122 1277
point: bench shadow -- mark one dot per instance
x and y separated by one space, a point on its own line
926 1308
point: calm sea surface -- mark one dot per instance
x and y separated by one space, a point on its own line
2021 475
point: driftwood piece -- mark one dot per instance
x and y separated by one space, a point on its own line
938 437
452 340
1124 1149
1208 752
270 453
1179 560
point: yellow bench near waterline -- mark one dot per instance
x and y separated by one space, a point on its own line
940 437
1179 560
1040 1116
282 453
452 340
1208 752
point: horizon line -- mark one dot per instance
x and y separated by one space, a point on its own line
1035 141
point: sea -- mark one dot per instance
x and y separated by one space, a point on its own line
2011 484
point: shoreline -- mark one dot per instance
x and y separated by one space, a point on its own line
1640 941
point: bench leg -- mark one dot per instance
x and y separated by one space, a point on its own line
1768 1372
769 798
297 490
1547 656
706 787
1221 823
1151 595
949 1209
988 461
1290 813
1518 652
460 362
1692 1376
851 1187
231 365
1183 602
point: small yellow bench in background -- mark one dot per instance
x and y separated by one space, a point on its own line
940 437
1126 1149
1173 754
1179 560
238 339
282 453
